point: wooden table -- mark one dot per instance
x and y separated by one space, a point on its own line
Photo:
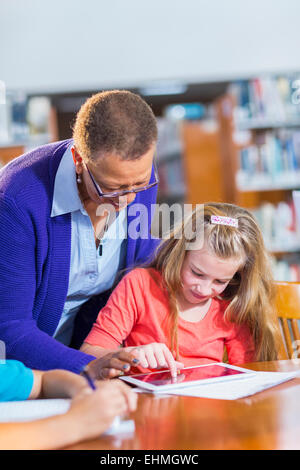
267 420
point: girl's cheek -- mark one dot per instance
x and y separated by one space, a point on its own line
185 277
192 280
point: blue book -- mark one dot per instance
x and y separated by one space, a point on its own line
278 154
293 164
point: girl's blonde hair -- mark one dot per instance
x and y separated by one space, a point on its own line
251 292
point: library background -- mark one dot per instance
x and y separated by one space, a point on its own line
236 141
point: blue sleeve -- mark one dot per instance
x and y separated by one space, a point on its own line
16 381
25 339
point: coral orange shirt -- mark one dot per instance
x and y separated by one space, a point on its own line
137 313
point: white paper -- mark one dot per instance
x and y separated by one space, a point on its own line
233 390
30 410
120 426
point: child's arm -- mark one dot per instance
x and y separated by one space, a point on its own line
56 384
90 414
115 323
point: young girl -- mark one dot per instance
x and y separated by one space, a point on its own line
194 301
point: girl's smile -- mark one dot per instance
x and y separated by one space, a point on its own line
199 296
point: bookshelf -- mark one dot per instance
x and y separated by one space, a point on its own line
25 123
260 130
172 185
265 124
188 156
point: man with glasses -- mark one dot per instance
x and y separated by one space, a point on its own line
65 211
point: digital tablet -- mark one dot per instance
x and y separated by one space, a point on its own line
188 377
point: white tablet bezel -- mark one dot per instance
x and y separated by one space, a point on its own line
133 379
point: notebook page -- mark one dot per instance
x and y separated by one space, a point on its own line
233 390
30 410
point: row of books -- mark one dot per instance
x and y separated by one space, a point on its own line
279 226
286 269
270 98
275 98
273 154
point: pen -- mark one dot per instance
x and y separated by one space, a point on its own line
89 379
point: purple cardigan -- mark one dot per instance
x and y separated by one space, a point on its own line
35 260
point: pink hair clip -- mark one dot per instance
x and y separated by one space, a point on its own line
217 219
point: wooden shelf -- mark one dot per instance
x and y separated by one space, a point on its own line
258 182
202 163
279 250
9 153
199 154
265 124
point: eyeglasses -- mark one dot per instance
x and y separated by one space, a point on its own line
122 193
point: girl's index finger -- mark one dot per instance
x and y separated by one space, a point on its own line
172 364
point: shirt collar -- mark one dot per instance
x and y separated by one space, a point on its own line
65 197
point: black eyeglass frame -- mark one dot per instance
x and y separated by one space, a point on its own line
122 193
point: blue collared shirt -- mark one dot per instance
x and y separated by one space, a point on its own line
90 273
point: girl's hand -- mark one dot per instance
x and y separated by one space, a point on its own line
149 356
157 356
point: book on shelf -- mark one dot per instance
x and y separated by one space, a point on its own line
296 200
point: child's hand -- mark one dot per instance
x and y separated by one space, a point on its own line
149 356
92 412
157 356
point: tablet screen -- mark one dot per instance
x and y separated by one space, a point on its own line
188 375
